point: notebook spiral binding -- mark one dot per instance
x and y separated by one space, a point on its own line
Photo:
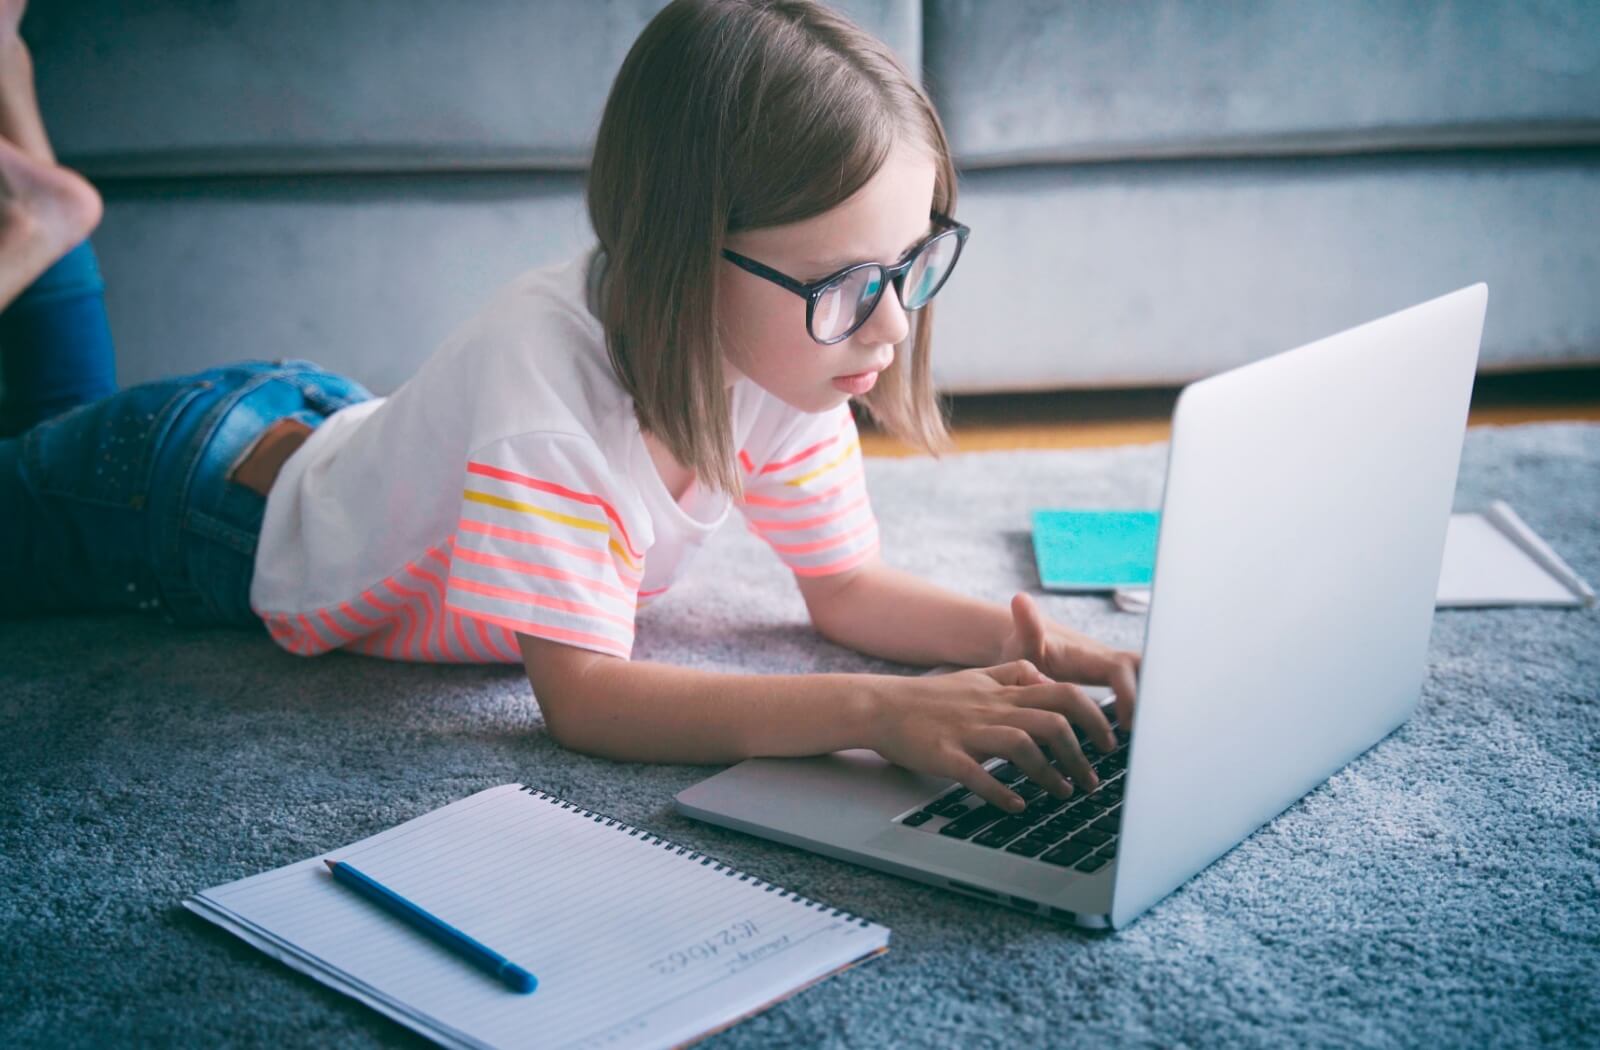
692 854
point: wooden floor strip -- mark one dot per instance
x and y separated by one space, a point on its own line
1101 418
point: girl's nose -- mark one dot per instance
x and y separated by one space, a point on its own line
888 323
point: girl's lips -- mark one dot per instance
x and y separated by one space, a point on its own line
857 384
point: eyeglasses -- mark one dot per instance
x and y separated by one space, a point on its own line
841 302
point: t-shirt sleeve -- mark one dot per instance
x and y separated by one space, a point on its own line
548 544
807 495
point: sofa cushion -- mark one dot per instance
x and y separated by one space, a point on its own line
1072 80
341 85
1161 272
1116 275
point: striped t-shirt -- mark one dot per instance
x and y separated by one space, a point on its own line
506 488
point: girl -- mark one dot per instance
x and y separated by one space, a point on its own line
763 173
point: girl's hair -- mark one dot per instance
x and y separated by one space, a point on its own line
731 115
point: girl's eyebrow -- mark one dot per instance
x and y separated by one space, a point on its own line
839 262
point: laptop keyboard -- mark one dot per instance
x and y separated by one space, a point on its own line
1077 832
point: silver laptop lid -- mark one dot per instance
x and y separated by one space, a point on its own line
1306 503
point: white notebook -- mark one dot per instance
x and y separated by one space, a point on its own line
1491 558
635 941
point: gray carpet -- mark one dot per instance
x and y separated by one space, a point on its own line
1443 890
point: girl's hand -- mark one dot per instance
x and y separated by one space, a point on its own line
948 725
1064 654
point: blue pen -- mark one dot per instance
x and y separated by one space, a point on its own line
518 979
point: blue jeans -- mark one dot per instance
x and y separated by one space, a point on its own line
55 343
124 503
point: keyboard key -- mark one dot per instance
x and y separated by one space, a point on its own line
1002 832
970 823
921 816
1091 836
1045 805
946 808
1066 854
1029 846
1094 863
1029 790
1109 849
1059 826
1006 773
1110 822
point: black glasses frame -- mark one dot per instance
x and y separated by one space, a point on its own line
812 291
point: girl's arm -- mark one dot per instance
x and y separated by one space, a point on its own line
636 710
885 612
630 710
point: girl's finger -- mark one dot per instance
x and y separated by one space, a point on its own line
1071 701
1053 729
1019 748
1125 686
1014 672
982 783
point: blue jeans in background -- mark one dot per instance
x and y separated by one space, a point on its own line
55 343
123 503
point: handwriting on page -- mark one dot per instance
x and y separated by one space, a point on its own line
723 945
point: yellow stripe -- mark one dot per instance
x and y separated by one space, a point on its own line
849 451
564 519
529 508
616 548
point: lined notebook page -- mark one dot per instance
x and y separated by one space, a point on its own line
634 941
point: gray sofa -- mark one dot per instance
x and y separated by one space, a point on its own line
1158 190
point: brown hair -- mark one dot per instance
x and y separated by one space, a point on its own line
730 115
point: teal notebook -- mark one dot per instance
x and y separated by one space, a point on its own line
1095 550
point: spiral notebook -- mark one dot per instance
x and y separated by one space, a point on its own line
636 941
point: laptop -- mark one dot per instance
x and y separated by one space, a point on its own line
1303 522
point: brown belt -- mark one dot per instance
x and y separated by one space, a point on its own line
259 467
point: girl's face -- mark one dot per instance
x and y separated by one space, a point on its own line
764 325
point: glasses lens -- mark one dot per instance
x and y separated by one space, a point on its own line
845 302
929 269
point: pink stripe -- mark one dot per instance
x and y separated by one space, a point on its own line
367 645
831 541
559 490
343 634
776 525
408 647
392 620
500 532
812 450
280 631
350 611
435 593
773 501
744 461
540 630
841 565
420 605
318 643
652 594
529 597
483 632
472 655
549 572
